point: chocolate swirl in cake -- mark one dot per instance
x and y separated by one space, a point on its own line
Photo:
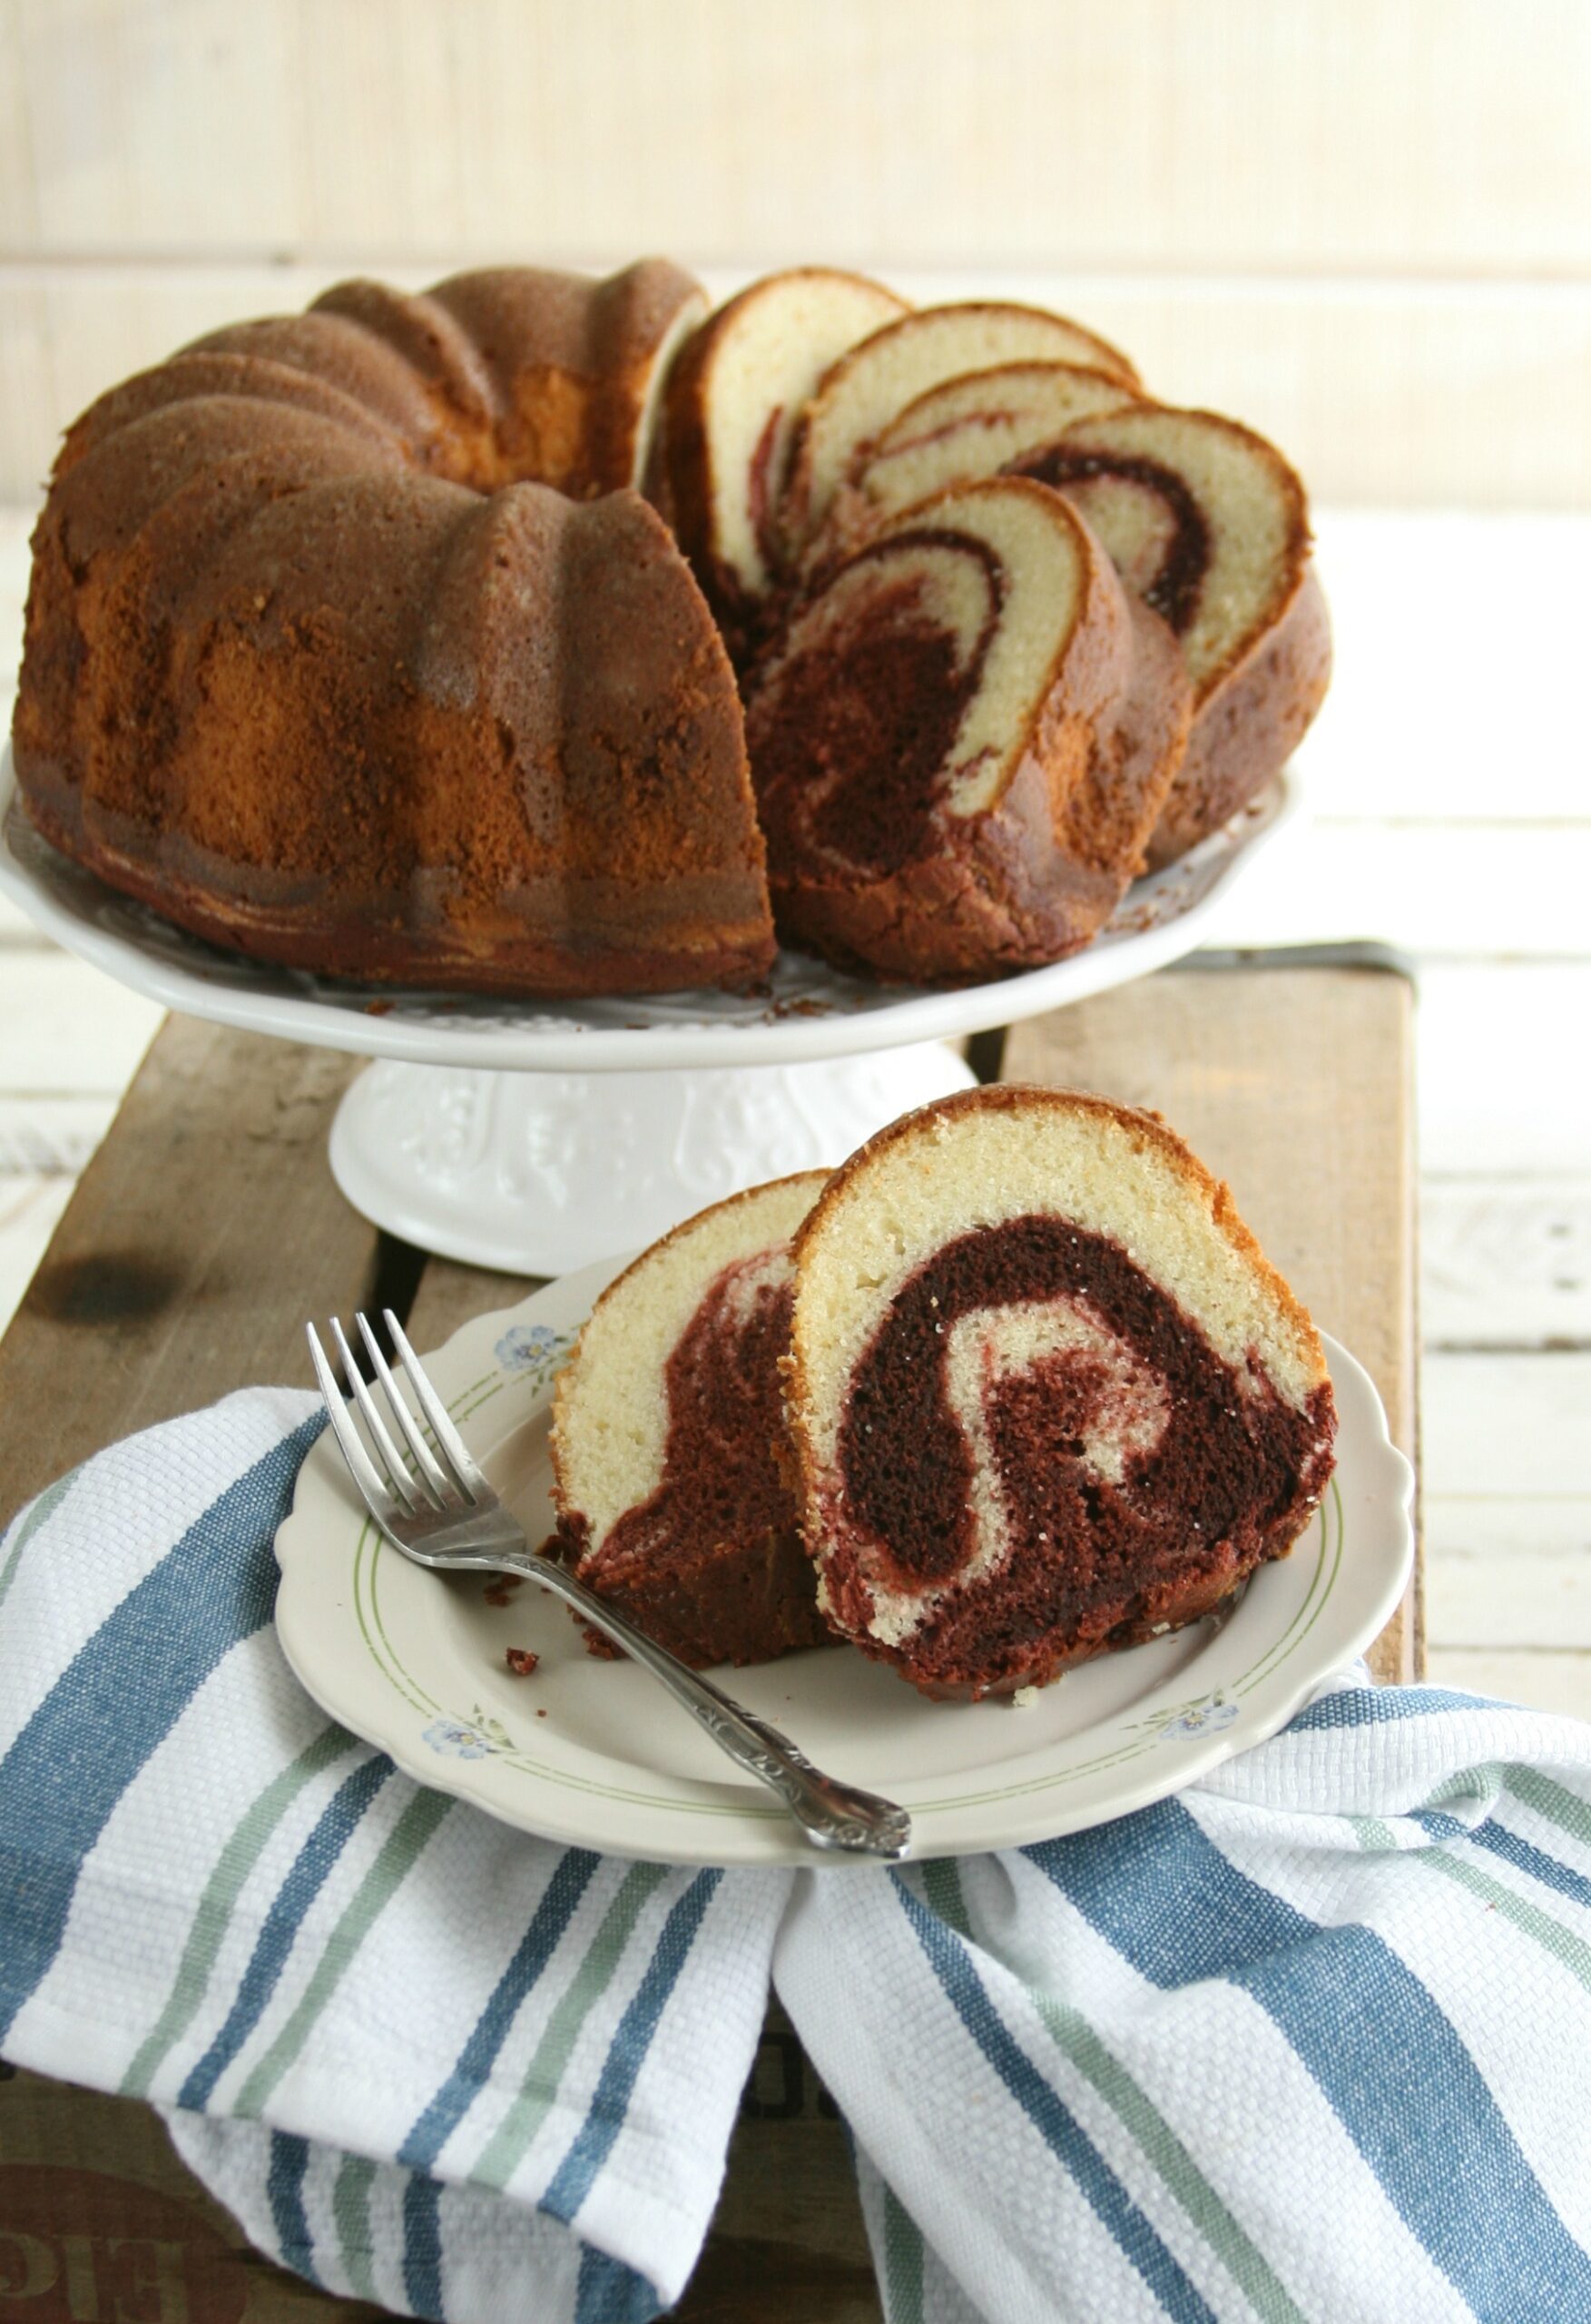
1038 1442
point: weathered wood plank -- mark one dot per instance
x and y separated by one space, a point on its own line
1546 1681
1504 1425
31 1205
199 1236
1355 383
52 1137
450 1294
1505 1262
1327 134
1259 1073
67 1029
1520 1599
1509 1525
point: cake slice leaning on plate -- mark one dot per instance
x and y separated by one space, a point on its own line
1047 1395
673 1499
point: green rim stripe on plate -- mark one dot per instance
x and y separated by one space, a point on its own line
1085 2049
527 2110
1323 1581
350 2215
213 1915
394 1858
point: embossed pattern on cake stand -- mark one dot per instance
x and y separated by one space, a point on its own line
536 1136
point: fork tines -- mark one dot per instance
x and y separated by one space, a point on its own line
451 1483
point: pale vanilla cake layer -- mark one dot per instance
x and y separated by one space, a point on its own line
768 359
1045 573
1251 503
981 1167
610 1427
971 426
868 388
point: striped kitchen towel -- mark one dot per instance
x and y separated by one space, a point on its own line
424 2058
1310 2042
1313 2040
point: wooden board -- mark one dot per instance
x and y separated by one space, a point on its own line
1268 1076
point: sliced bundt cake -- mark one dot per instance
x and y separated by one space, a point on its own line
1206 522
671 1495
962 741
735 397
1046 1397
861 394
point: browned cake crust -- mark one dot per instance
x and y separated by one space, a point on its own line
305 672
1226 1479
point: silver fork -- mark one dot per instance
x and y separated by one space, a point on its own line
443 1513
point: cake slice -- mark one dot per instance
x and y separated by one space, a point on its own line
859 396
1046 1397
962 741
666 1434
966 428
733 402
1206 522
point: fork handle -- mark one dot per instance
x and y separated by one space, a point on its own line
833 1814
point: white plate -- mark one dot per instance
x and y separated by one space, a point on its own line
595 1752
805 1011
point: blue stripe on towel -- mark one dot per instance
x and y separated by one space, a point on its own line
422 2235
284 2188
339 1819
1370 2035
120 1696
1378 1706
422 2244
608 2292
604 2119
1052 2118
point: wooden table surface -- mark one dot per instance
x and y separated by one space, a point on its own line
207 1227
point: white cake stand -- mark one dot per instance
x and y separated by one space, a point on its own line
537 1138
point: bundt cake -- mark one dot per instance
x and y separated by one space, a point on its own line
1206 522
962 741
1045 1396
358 640
334 655
860 395
672 1497
735 397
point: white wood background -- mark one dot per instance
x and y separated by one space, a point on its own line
1364 225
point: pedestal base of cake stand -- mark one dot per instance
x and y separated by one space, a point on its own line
540 1173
